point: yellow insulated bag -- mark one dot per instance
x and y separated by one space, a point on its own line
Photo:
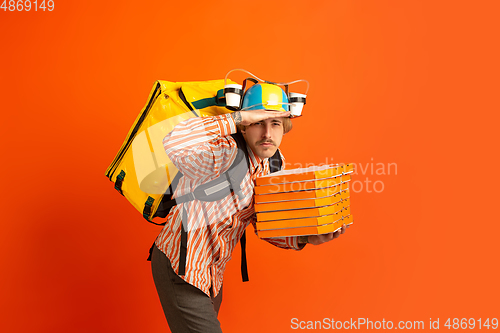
141 170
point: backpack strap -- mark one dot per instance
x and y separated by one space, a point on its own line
275 164
241 143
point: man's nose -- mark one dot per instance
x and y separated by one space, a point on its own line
267 131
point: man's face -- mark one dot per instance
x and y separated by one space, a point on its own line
264 137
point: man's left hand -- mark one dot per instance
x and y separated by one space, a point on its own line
320 239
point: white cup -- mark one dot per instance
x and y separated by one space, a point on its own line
297 103
233 93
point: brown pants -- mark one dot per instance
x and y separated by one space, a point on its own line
186 307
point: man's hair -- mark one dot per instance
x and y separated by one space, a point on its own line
287 125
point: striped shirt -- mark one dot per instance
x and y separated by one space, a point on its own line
202 148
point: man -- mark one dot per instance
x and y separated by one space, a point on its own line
190 289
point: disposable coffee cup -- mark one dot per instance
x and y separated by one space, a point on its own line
297 103
233 93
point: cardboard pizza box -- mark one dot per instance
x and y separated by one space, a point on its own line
304 231
301 186
304 222
304 203
303 213
300 195
304 174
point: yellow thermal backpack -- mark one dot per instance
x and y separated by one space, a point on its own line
141 170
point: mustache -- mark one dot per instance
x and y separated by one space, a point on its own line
266 141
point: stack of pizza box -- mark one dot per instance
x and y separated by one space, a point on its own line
304 201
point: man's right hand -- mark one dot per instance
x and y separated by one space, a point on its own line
246 118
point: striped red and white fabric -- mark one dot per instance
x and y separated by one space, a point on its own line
202 148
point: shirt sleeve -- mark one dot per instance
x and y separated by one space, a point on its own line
201 147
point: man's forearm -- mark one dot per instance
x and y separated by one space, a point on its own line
236 117
246 118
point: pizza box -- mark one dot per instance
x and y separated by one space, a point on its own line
304 174
302 213
300 195
304 231
304 203
302 185
304 222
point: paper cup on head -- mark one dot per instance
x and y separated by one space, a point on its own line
233 93
297 103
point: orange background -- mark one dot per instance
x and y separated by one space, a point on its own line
408 82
